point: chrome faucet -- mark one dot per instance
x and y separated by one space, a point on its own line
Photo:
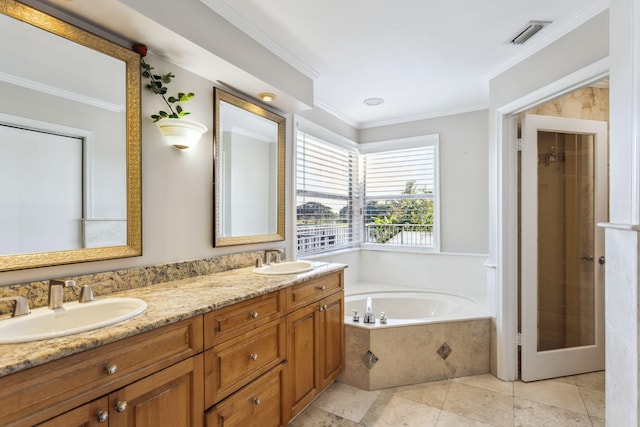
21 306
55 291
369 317
272 255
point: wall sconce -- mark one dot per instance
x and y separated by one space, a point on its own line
181 133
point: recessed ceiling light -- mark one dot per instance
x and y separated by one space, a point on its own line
267 97
373 101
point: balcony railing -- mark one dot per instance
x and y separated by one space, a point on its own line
399 234
323 237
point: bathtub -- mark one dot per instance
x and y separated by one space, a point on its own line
404 308
428 336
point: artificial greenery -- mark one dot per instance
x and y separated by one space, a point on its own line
158 85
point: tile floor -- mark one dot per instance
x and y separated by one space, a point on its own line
475 401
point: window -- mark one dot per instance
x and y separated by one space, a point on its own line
394 203
399 189
325 175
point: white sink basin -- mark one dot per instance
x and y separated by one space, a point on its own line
289 267
75 317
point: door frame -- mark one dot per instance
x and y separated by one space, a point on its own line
506 262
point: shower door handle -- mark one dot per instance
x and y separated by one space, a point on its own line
587 258
601 260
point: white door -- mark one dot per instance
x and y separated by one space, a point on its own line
563 198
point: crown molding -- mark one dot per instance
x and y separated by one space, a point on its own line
230 14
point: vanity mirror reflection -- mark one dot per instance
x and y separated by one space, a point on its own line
69 143
249 150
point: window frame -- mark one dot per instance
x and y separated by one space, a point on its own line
357 220
403 144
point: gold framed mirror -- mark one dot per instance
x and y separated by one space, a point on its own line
69 143
248 170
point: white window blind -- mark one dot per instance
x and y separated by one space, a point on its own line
399 189
325 179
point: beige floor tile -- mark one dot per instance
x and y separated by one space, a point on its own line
489 382
551 392
346 401
594 401
432 393
391 410
480 404
314 417
447 419
569 380
528 413
593 380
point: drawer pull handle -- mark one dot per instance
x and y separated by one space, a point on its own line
320 308
253 356
111 369
254 314
121 405
102 416
257 401
321 288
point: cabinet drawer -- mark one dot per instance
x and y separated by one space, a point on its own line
256 405
313 290
39 393
229 322
235 363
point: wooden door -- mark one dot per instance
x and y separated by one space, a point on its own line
172 397
93 414
331 339
302 359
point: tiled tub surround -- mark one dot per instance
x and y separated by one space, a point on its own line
168 302
382 357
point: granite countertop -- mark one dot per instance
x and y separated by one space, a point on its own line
167 303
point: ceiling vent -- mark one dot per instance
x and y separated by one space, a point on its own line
528 31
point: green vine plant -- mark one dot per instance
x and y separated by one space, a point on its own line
158 84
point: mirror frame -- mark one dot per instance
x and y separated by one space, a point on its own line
133 247
220 95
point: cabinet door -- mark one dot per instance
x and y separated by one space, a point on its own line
93 414
331 339
171 397
302 357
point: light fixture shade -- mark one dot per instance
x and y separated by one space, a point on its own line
181 133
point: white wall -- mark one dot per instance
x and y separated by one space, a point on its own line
457 274
464 210
177 191
583 46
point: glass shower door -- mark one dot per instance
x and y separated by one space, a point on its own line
563 198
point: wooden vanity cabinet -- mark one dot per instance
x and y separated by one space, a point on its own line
257 405
315 340
171 397
144 363
245 349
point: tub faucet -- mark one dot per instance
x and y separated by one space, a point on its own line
368 312
55 291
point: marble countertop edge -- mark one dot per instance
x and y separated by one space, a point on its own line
168 303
